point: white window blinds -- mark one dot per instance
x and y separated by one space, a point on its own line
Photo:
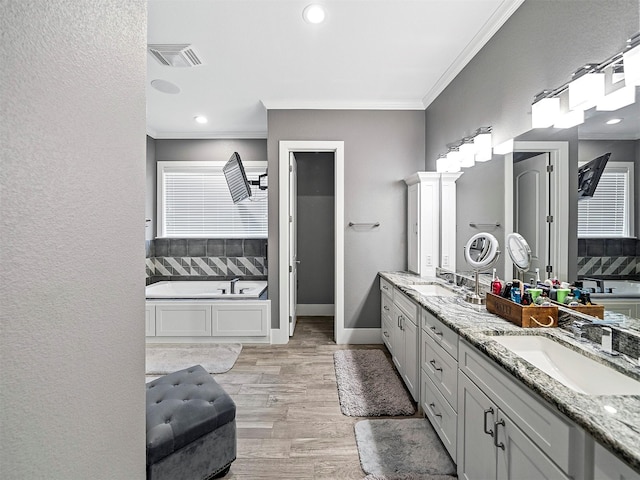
607 213
194 201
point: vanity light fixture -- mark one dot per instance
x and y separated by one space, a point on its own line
465 152
314 13
200 119
544 111
631 61
586 88
482 141
608 86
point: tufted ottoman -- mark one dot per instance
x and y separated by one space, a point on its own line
191 427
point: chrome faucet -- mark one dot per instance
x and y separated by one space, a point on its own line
233 285
598 281
606 343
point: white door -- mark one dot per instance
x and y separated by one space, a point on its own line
531 209
293 243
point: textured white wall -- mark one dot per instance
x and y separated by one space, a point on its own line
71 239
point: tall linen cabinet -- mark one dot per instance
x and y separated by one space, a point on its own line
431 222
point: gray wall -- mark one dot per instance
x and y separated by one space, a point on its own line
621 151
538 47
316 227
381 148
250 150
72 176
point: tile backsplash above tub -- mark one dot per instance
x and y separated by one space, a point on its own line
205 259
616 258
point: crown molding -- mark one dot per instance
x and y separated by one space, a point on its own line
498 18
342 105
225 135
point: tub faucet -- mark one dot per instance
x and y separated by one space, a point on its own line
233 285
598 281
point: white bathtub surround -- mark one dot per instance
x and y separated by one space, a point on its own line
198 312
214 358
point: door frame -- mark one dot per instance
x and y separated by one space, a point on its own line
285 148
559 202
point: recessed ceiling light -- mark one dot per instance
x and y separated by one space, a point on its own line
165 86
200 119
613 121
313 13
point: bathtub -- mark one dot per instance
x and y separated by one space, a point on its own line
199 312
207 289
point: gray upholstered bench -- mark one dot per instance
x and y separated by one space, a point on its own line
191 427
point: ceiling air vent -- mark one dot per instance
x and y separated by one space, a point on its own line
178 55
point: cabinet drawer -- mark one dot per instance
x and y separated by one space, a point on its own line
386 306
443 335
443 418
407 308
386 287
441 368
552 433
387 333
608 467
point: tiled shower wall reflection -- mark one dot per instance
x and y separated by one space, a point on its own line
616 258
206 259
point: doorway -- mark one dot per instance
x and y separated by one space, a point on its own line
315 234
288 266
558 194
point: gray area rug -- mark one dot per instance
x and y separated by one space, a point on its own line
369 386
402 449
214 358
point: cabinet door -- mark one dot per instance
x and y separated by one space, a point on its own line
150 320
183 320
410 374
520 458
397 339
476 418
608 467
413 243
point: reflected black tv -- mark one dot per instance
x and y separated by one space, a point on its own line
589 175
237 182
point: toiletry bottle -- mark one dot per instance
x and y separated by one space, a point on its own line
496 285
526 298
515 291
537 276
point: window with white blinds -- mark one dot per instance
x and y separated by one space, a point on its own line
194 201
609 213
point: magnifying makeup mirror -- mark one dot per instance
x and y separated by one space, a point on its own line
520 252
481 252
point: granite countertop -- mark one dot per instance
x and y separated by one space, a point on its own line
619 431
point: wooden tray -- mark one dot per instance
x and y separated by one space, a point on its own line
524 316
593 310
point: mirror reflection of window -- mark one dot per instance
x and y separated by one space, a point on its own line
609 213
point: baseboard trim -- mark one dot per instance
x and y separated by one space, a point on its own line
315 310
360 336
280 336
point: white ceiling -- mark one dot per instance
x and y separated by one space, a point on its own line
261 54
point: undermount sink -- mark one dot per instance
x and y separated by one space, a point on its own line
433 290
570 368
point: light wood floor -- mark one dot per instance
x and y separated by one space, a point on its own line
288 415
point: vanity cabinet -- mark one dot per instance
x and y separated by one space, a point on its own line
439 379
608 467
399 322
504 432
